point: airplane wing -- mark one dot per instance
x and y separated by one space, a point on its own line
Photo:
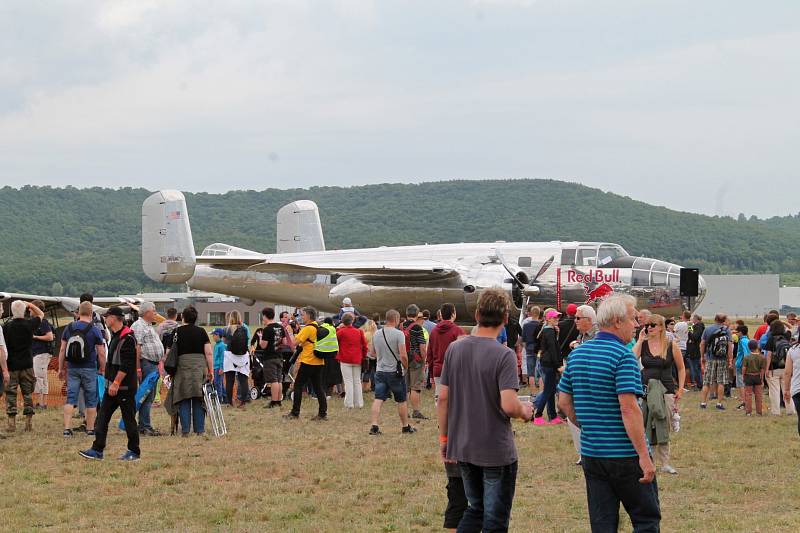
419 270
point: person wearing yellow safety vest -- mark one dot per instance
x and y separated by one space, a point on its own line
327 347
310 366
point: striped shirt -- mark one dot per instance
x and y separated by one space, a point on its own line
596 372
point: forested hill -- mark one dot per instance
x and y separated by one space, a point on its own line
72 240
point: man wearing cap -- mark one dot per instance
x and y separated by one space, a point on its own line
567 331
121 392
151 357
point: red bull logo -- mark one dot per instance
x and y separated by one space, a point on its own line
594 276
598 293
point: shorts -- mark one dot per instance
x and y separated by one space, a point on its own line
82 378
415 379
389 384
716 372
273 370
456 502
40 363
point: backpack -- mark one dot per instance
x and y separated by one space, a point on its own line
238 344
415 360
77 351
778 359
718 344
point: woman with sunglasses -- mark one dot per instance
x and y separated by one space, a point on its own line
658 354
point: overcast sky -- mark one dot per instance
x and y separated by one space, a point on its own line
689 104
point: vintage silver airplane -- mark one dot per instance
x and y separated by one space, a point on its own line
302 272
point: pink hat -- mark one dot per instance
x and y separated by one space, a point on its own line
552 313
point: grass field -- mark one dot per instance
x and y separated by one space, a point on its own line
270 474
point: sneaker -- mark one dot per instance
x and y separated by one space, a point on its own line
720 407
375 430
129 456
149 432
740 406
556 421
667 469
318 418
539 421
703 405
90 433
67 432
91 453
291 416
409 429
749 414
419 416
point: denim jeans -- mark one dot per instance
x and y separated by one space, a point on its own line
796 400
144 411
490 493
548 395
610 481
695 373
192 414
219 385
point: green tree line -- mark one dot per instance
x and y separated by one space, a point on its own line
72 240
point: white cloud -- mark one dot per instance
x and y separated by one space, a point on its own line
352 91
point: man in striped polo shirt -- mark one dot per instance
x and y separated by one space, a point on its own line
599 392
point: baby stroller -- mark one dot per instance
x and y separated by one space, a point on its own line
259 387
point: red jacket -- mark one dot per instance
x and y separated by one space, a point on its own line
352 345
442 335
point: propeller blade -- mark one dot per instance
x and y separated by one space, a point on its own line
544 268
521 283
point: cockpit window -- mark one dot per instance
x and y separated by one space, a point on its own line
640 278
524 262
586 257
568 256
643 263
608 253
659 279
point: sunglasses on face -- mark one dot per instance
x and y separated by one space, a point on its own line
651 325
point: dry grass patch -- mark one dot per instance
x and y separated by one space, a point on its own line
736 474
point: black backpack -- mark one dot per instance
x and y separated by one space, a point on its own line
778 359
718 344
77 351
238 344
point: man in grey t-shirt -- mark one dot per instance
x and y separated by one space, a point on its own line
390 350
477 399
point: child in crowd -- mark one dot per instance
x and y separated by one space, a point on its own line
219 356
753 367
742 349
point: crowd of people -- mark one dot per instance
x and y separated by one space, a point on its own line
615 376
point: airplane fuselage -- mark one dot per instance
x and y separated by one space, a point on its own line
580 273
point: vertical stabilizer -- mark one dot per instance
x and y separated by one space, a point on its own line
167 247
299 228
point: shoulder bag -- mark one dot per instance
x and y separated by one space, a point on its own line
399 369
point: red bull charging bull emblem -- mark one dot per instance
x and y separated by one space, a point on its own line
598 293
